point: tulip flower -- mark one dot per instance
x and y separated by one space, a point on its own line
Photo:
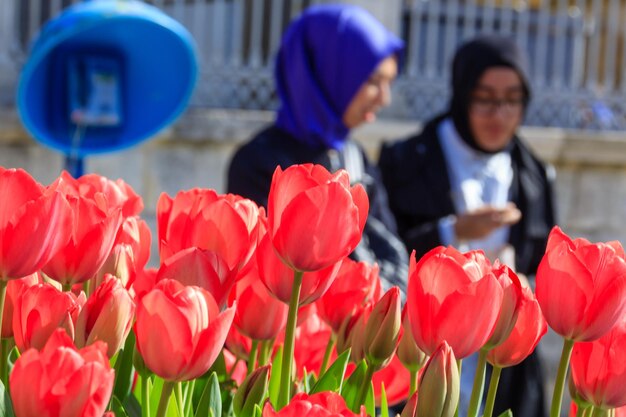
410 409
34 224
39 311
252 296
599 369
446 301
528 331
323 404
180 330
130 252
60 380
278 278
581 286
356 283
117 192
315 218
618 412
439 387
14 290
226 224
107 315
201 268
91 240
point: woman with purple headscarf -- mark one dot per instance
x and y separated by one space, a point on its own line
333 72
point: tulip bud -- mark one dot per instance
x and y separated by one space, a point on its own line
439 387
411 356
383 328
410 409
107 316
251 392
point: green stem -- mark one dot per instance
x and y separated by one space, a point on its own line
364 388
145 397
580 411
66 287
254 353
493 389
290 337
266 347
4 365
459 364
479 384
87 287
179 399
557 396
5 355
327 353
599 412
413 386
166 392
188 398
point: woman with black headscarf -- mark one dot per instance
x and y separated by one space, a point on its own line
333 72
469 181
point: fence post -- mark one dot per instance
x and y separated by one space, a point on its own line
8 66
389 12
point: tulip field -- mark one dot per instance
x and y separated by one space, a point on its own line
260 312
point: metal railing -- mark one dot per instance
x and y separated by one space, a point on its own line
576 51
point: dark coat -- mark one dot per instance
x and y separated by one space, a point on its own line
250 175
415 175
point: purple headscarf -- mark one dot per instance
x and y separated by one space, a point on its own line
325 57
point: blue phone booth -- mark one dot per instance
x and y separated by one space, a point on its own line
105 75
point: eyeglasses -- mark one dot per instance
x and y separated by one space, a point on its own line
488 107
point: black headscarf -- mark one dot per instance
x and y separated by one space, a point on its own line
470 62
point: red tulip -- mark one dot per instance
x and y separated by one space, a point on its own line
356 283
91 239
39 311
238 344
202 268
61 380
396 380
315 218
511 301
581 286
446 301
144 282
278 277
599 368
117 192
528 331
180 330
107 315
14 289
618 412
252 297
130 252
322 404
226 224
34 224
238 374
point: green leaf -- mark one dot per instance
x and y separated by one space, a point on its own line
350 389
155 392
132 406
257 411
118 408
384 407
370 401
211 399
332 379
124 369
6 407
274 388
507 413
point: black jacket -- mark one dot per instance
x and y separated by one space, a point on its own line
250 175
415 175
